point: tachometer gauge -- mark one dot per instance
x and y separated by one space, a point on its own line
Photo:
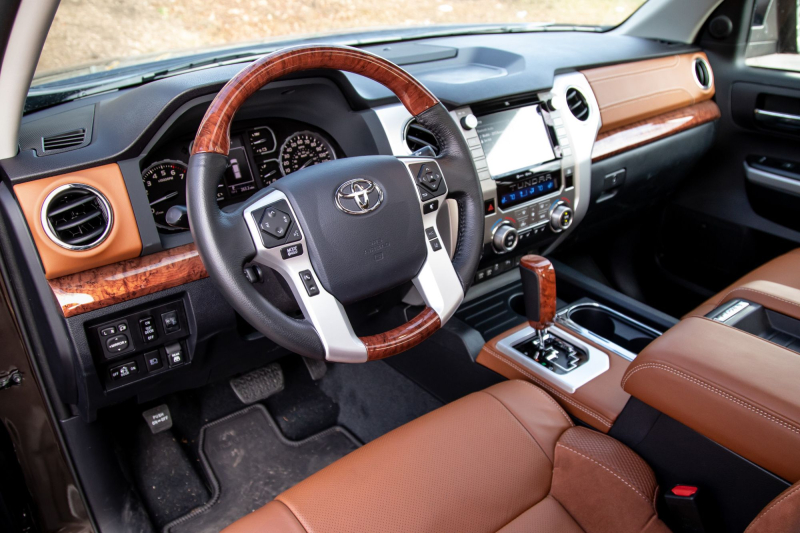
165 183
304 149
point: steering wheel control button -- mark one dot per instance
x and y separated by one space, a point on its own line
425 194
117 344
148 328
292 251
430 233
294 234
170 322
308 281
153 361
429 177
430 207
436 245
174 354
275 223
124 370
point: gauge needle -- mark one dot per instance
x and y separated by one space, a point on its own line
173 194
311 160
270 174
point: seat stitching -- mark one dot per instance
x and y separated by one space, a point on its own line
771 507
790 302
715 390
750 335
544 385
529 432
550 399
634 489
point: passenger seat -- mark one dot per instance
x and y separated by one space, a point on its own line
783 271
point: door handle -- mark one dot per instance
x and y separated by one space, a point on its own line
774 119
771 180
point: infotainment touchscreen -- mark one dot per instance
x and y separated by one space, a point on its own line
514 140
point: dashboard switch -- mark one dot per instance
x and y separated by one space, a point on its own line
561 217
105 332
124 370
148 327
174 354
153 361
505 238
170 322
117 344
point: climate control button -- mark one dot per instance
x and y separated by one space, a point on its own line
561 216
505 238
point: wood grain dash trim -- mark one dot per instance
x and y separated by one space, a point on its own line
126 280
611 143
403 337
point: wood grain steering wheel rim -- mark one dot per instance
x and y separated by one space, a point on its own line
213 137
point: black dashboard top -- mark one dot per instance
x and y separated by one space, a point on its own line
485 67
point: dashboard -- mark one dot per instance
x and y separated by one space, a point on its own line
259 155
556 128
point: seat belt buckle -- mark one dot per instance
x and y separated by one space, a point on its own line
682 502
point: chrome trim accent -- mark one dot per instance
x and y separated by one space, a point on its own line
48 229
597 363
772 181
361 196
708 70
563 318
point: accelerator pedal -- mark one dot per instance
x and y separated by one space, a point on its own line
258 384
316 368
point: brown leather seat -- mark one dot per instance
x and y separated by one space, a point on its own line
783 270
504 459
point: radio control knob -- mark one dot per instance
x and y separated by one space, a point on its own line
469 122
505 238
561 217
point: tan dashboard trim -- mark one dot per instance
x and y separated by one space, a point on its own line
598 403
630 92
126 280
123 241
652 129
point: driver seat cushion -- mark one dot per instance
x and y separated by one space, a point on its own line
504 459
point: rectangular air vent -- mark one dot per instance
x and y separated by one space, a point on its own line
63 141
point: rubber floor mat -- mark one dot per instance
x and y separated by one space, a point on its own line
248 462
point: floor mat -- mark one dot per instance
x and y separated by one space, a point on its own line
249 462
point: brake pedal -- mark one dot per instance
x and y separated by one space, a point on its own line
258 384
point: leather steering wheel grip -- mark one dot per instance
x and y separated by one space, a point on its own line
225 244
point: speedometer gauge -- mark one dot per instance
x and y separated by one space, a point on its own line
304 149
165 183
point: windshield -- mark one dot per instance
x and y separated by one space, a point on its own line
98 36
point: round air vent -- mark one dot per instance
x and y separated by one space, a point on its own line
702 73
77 217
577 104
420 140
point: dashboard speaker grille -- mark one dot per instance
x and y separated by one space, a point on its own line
76 217
577 104
702 73
420 138
63 141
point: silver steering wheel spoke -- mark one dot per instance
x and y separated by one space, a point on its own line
281 245
437 280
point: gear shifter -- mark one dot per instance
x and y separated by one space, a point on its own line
539 293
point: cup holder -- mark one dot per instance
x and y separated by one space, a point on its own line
611 326
517 304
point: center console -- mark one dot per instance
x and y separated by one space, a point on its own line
533 156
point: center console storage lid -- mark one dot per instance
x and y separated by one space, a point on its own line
737 389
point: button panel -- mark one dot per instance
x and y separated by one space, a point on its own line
312 288
276 225
132 347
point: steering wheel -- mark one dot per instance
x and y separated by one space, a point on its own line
340 231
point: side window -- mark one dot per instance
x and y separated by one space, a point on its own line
773 41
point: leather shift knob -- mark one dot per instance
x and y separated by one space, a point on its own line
539 290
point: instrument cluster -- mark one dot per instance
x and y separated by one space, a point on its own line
259 155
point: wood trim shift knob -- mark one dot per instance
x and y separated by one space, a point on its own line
539 288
